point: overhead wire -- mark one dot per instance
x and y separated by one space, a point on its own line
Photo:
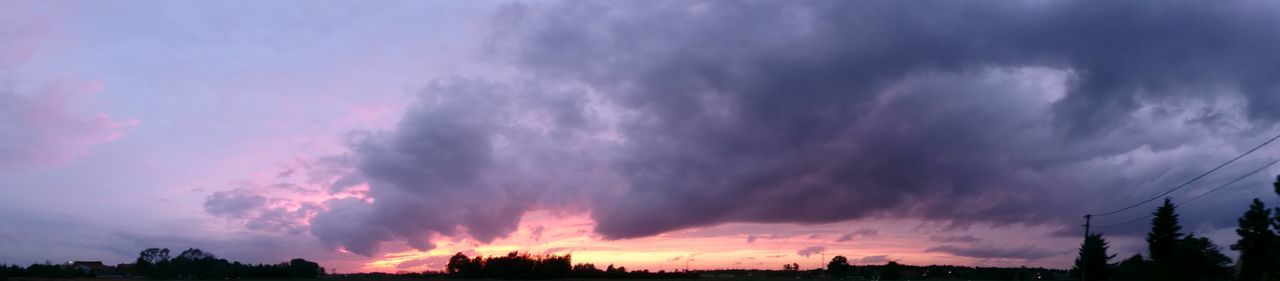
1224 164
1220 187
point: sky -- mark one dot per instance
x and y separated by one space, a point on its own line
388 135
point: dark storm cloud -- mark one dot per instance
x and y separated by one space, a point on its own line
468 159
424 178
995 252
825 111
658 116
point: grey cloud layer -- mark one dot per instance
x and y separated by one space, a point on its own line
469 159
687 114
827 111
259 211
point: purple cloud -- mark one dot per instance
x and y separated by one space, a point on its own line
678 116
236 203
995 252
260 212
469 159
874 259
955 239
860 233
742 112
432 262
809 251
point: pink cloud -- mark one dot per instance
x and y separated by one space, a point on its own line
23 28
40 123
42 127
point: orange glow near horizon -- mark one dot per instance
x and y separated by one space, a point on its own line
718 247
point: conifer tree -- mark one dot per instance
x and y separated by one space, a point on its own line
1198 259
1162 241
1094 258
1257 243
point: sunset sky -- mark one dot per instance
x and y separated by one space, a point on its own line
388 135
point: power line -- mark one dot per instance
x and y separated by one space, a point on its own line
1273 162
1224 164
1124 223
1238 179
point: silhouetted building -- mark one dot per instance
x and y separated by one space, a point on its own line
96 268
88 267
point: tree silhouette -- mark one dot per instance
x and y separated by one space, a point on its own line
839 267
1274 263
554 266
585 268
1198 258
1276 185
517 265
153 262
1257 243
891 271
1178 256
461 266
1132 269
1162 241
153 255
195 254
1093 257
301 268
198 264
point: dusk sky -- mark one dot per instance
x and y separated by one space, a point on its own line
389 135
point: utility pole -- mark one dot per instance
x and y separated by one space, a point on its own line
1084 265
1086 224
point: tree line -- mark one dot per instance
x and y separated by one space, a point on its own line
516 265
156 263
839 268
1178 256
197 264
41 270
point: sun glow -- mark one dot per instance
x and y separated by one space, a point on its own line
745 246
